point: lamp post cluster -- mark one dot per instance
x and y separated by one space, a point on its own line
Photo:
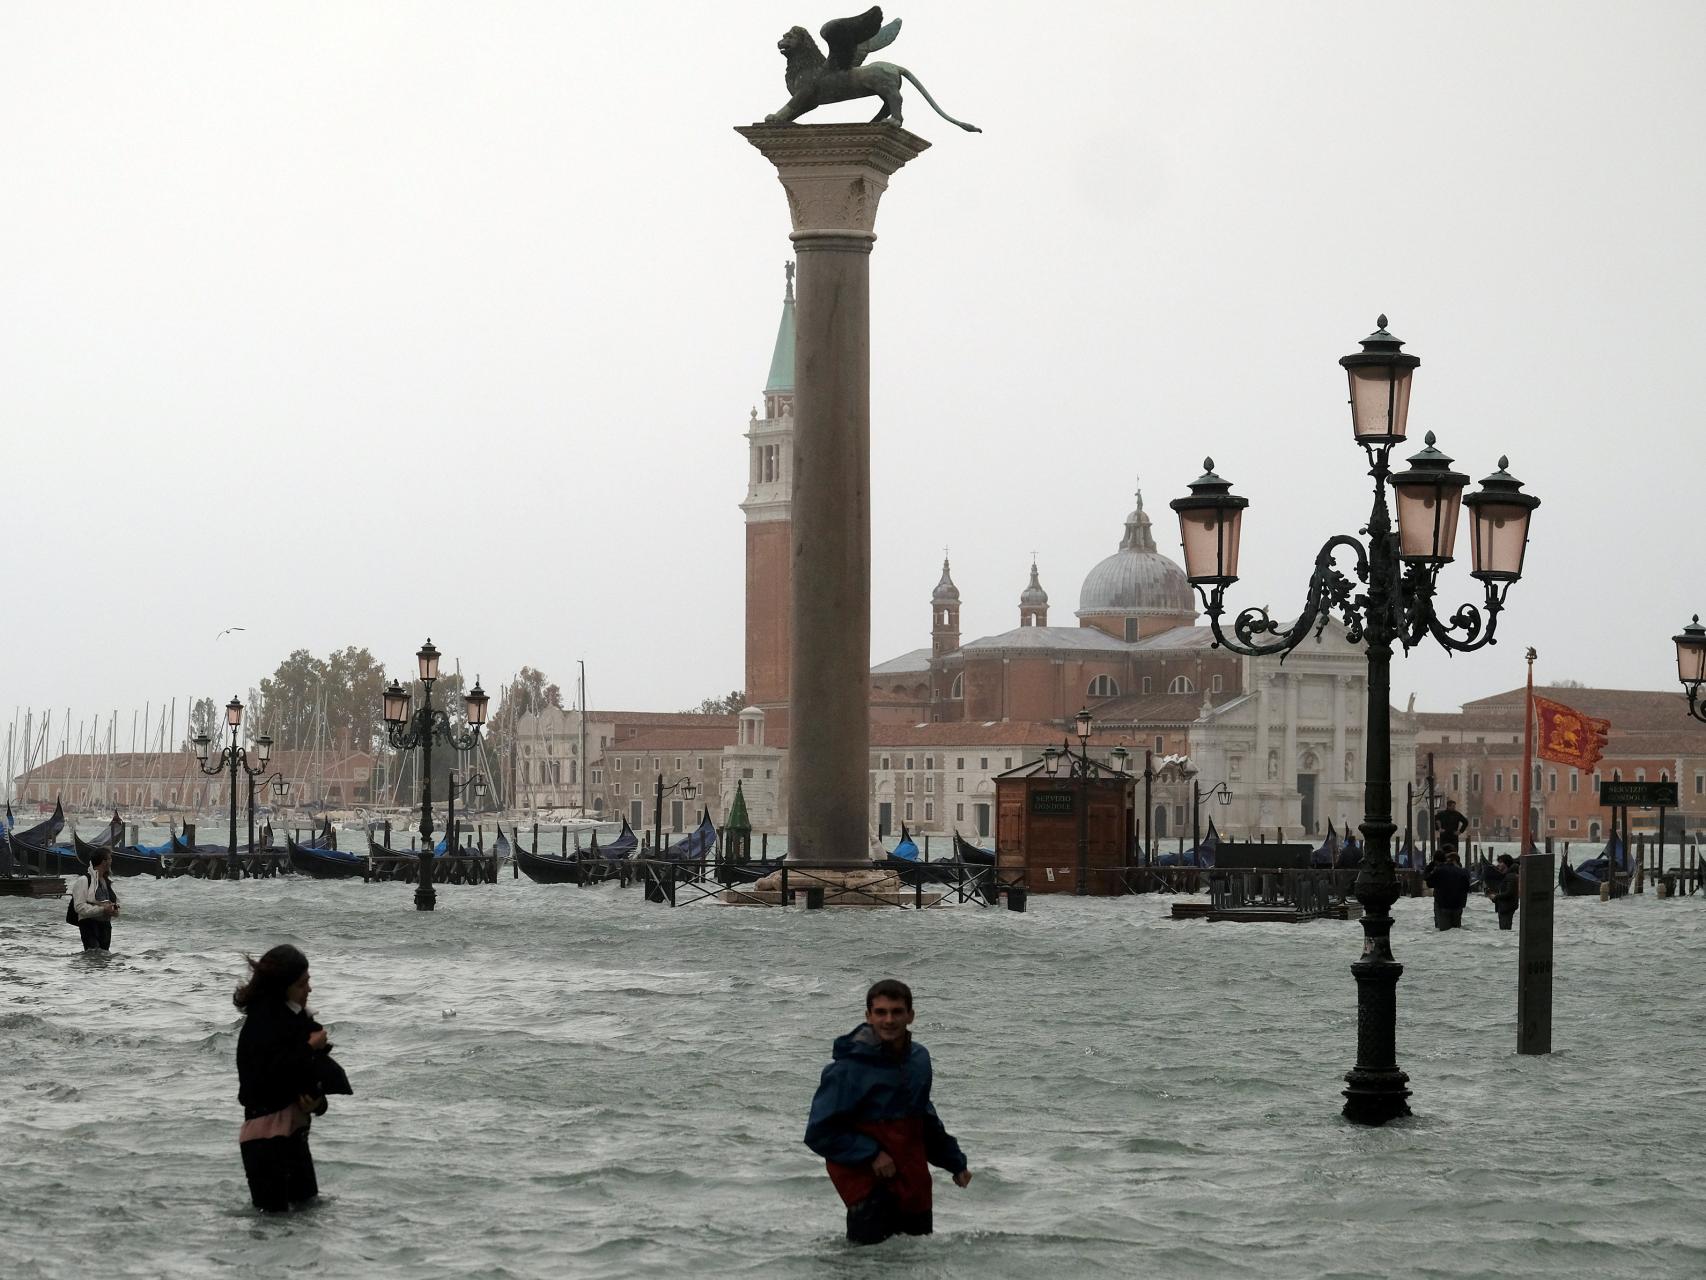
411 727
1691 666
1079 766
230 759
688 791
1389 601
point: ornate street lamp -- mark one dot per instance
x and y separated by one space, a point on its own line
688 791
1691 665
408 729
1389 601
230 759
1082 724
475 782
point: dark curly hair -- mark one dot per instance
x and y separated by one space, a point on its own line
271 976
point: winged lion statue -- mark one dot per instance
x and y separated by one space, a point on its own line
814 79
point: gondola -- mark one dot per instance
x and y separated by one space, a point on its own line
623 846
1328 854
320 859
1583 881
127 860
546 868
969 853
34 849
697 844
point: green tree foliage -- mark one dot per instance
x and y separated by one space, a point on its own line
730 705
309 702
205 718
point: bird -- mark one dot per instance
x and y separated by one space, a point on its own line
228 631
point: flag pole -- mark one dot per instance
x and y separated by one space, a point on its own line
1527 757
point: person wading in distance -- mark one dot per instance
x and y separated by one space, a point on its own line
873 1123
95 904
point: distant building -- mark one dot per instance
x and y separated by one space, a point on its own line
134 781
1477 761
1285 738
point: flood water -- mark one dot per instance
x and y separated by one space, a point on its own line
555 1081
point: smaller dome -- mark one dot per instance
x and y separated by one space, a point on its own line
1033 594
945 591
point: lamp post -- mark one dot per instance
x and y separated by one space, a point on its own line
1390 601
688 791
280 789
1198 795
1078 765
476 781
1691 665
232 758
410 728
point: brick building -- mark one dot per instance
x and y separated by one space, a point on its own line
133 781
1477 760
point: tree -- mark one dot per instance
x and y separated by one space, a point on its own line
355 689
204 718
1567 684
731 705
293 696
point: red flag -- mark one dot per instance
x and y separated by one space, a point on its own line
1567 736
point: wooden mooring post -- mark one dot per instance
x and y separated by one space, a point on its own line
1537 876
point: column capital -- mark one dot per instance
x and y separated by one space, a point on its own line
834 174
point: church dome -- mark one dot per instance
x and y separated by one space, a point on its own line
1137 580
946 592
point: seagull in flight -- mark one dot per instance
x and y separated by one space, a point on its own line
228 631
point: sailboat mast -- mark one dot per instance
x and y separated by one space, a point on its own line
583 736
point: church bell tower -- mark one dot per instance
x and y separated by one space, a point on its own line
769 522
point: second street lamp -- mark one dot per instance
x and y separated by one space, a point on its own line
411 728
1390 601
230 759
1691 665
688 791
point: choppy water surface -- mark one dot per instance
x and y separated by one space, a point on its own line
563 1082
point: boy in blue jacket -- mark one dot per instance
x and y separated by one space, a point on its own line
873 1123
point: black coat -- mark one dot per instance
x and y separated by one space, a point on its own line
1504 886
275 1066
1450 885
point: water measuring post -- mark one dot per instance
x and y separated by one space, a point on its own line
1537 874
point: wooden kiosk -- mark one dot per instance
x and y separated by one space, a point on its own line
1040 819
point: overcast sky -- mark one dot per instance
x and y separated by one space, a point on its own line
351 323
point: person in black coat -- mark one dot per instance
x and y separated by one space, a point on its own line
1503 886
1450 883
284 1072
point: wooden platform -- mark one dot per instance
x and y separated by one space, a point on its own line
1262 915
32 887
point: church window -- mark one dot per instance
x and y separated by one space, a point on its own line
654 764
701 764
1130 629
909 784
1640 775
885 763
1160 745
747 774
1104 687
1215 685
959 813
960 762
769 773
1552 780
983 763
1148 685
909 763
930 784
1575 781
617 789
1474 780
957 690
1572 824
959 784
1007 762
1700 784
909 811
929 811
678 764
616 763
1181 684
929 762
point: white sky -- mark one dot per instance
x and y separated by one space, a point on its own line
281 284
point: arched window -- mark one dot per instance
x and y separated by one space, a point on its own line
958 689
1104 687
1181 684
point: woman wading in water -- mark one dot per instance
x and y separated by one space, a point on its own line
284 1072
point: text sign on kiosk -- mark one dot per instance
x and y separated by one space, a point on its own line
1053 802
1639 795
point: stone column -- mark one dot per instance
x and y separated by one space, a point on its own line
834 175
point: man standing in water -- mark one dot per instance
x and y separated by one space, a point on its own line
873 1123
